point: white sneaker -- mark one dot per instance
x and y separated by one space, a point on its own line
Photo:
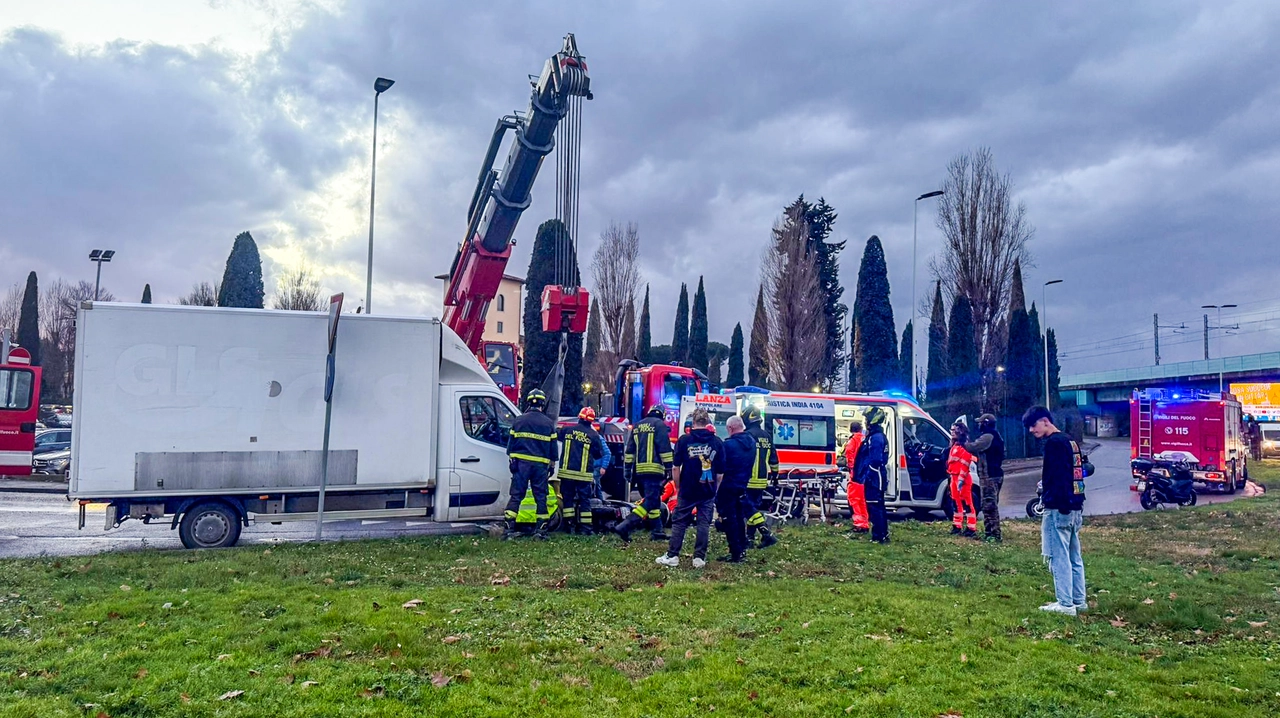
699 563
665 560
1082 608
1056 607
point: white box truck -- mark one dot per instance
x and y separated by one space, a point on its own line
213 419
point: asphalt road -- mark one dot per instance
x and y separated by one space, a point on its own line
1106 492
45 524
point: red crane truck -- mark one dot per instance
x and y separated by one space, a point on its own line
19 408
1206 425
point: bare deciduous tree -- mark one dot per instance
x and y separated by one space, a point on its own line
793 294
203 294
58 304
986 235
615 268
298 290
11 308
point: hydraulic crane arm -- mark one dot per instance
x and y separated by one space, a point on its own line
501 197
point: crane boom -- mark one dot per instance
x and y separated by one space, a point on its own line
501 197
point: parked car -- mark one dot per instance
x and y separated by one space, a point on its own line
52 462
52 440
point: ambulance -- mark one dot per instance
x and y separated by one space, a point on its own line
811 430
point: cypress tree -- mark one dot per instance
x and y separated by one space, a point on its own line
29 319
904 358
758 357
734 377
1055 370
644 344
936 376
542 348
591 348
242 279
716 354
1020 357
877 357
854 335
1037 348
680 338
146 294
962 360
698 358
822 218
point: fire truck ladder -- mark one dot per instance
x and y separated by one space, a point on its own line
1144 425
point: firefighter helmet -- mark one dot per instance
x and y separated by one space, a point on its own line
587 414
751 415
535 399
657 410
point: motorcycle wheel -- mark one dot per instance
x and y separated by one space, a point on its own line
1191 500
1035 509
1148 500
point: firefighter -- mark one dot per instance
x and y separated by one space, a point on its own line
648 458
960 469
872 471
531 451
856 493
581 449
765 470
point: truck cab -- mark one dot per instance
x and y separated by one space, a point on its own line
19 410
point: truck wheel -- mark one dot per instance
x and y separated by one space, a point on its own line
210 524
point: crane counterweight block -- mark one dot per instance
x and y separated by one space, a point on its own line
565 309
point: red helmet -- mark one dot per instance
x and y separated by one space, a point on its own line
587 414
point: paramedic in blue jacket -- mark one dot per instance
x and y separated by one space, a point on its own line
872 471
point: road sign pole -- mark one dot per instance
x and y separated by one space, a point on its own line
330 366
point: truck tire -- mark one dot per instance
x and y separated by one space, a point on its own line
210 524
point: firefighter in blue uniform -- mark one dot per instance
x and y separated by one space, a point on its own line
648 457
872 471
765 469
531 453
581 449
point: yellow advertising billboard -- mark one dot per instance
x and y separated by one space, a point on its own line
1261 401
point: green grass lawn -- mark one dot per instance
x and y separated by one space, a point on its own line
1184 607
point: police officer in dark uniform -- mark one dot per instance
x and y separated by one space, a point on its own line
648 457
872 471
580 449
765 470
531 452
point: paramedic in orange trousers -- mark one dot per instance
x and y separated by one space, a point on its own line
960 468
856 492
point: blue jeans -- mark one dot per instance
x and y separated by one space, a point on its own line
1060 535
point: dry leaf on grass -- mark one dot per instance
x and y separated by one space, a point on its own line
952 714
321 652
964 657
373 692
1173 596
377 606
414 603
125 588
1257 624
1119 622
185 698
1082 668
456 611
308 684
224 656
142 673
498 579
688 655
450 640
1147 602
230 695
440 680
253 673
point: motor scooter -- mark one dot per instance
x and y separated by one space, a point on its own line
1164 482
1035 507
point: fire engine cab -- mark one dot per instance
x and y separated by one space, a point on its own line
1206 425
19 408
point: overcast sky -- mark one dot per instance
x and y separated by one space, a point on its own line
1142 137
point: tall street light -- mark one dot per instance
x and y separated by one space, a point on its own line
99 256
1218 307
380 86
1044 303
915 328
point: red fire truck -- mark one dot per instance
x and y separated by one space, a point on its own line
1206 425
19 408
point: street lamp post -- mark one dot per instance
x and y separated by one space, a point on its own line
1000 378
99 256
380 86
1044 302
915 328
1218 307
